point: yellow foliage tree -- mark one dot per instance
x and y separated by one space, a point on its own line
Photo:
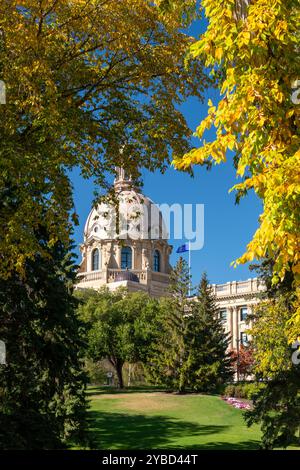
252 51
83 79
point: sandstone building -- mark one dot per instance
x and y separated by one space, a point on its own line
136 256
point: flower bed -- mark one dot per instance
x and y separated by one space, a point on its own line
241 405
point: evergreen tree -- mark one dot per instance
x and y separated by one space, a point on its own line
191 349
277 409
42 386
168 362
208 362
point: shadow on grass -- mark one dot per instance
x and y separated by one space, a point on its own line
216 445
128 431
98 390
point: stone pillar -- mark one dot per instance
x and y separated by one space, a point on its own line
145 258
168 267
104 256
149 279
134 253
88 258
235 327
99 247
110 252
163 258
249 312
118 250
150 255
104 263
230 324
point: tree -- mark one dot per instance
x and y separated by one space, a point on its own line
252 51
85 80
191 349
243 361
167 363
270 337
42 386
276 406
120 326
208 362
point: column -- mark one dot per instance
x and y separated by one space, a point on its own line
249 312
118 251
134 253
145 258
88 259
230 324
111 255
164 258
235 326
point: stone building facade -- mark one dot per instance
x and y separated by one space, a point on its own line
136 256
235 301
129 250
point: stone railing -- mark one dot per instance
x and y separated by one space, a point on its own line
160 277
109 275
140 273
91 276
237 287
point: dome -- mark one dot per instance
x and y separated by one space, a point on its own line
139 217
126 276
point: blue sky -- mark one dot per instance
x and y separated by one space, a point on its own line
227 227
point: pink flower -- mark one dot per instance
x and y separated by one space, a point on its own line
237 403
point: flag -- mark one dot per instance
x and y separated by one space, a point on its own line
183 248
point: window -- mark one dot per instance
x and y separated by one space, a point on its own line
95 259
243 313
223 315
156 261
126 258
244 339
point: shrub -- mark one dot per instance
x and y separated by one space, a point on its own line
243 390
95 371
229 391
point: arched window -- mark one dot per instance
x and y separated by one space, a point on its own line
126 257
95 259
156 261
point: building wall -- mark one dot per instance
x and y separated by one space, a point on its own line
235 300
153 282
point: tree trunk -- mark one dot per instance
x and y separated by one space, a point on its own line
119 367
241 9
129 375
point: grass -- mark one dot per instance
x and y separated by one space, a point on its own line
152 419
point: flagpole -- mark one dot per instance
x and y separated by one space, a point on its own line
190 267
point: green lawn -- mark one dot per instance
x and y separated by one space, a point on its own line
152 419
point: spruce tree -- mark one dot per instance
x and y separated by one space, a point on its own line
42 386
208 363
167 364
